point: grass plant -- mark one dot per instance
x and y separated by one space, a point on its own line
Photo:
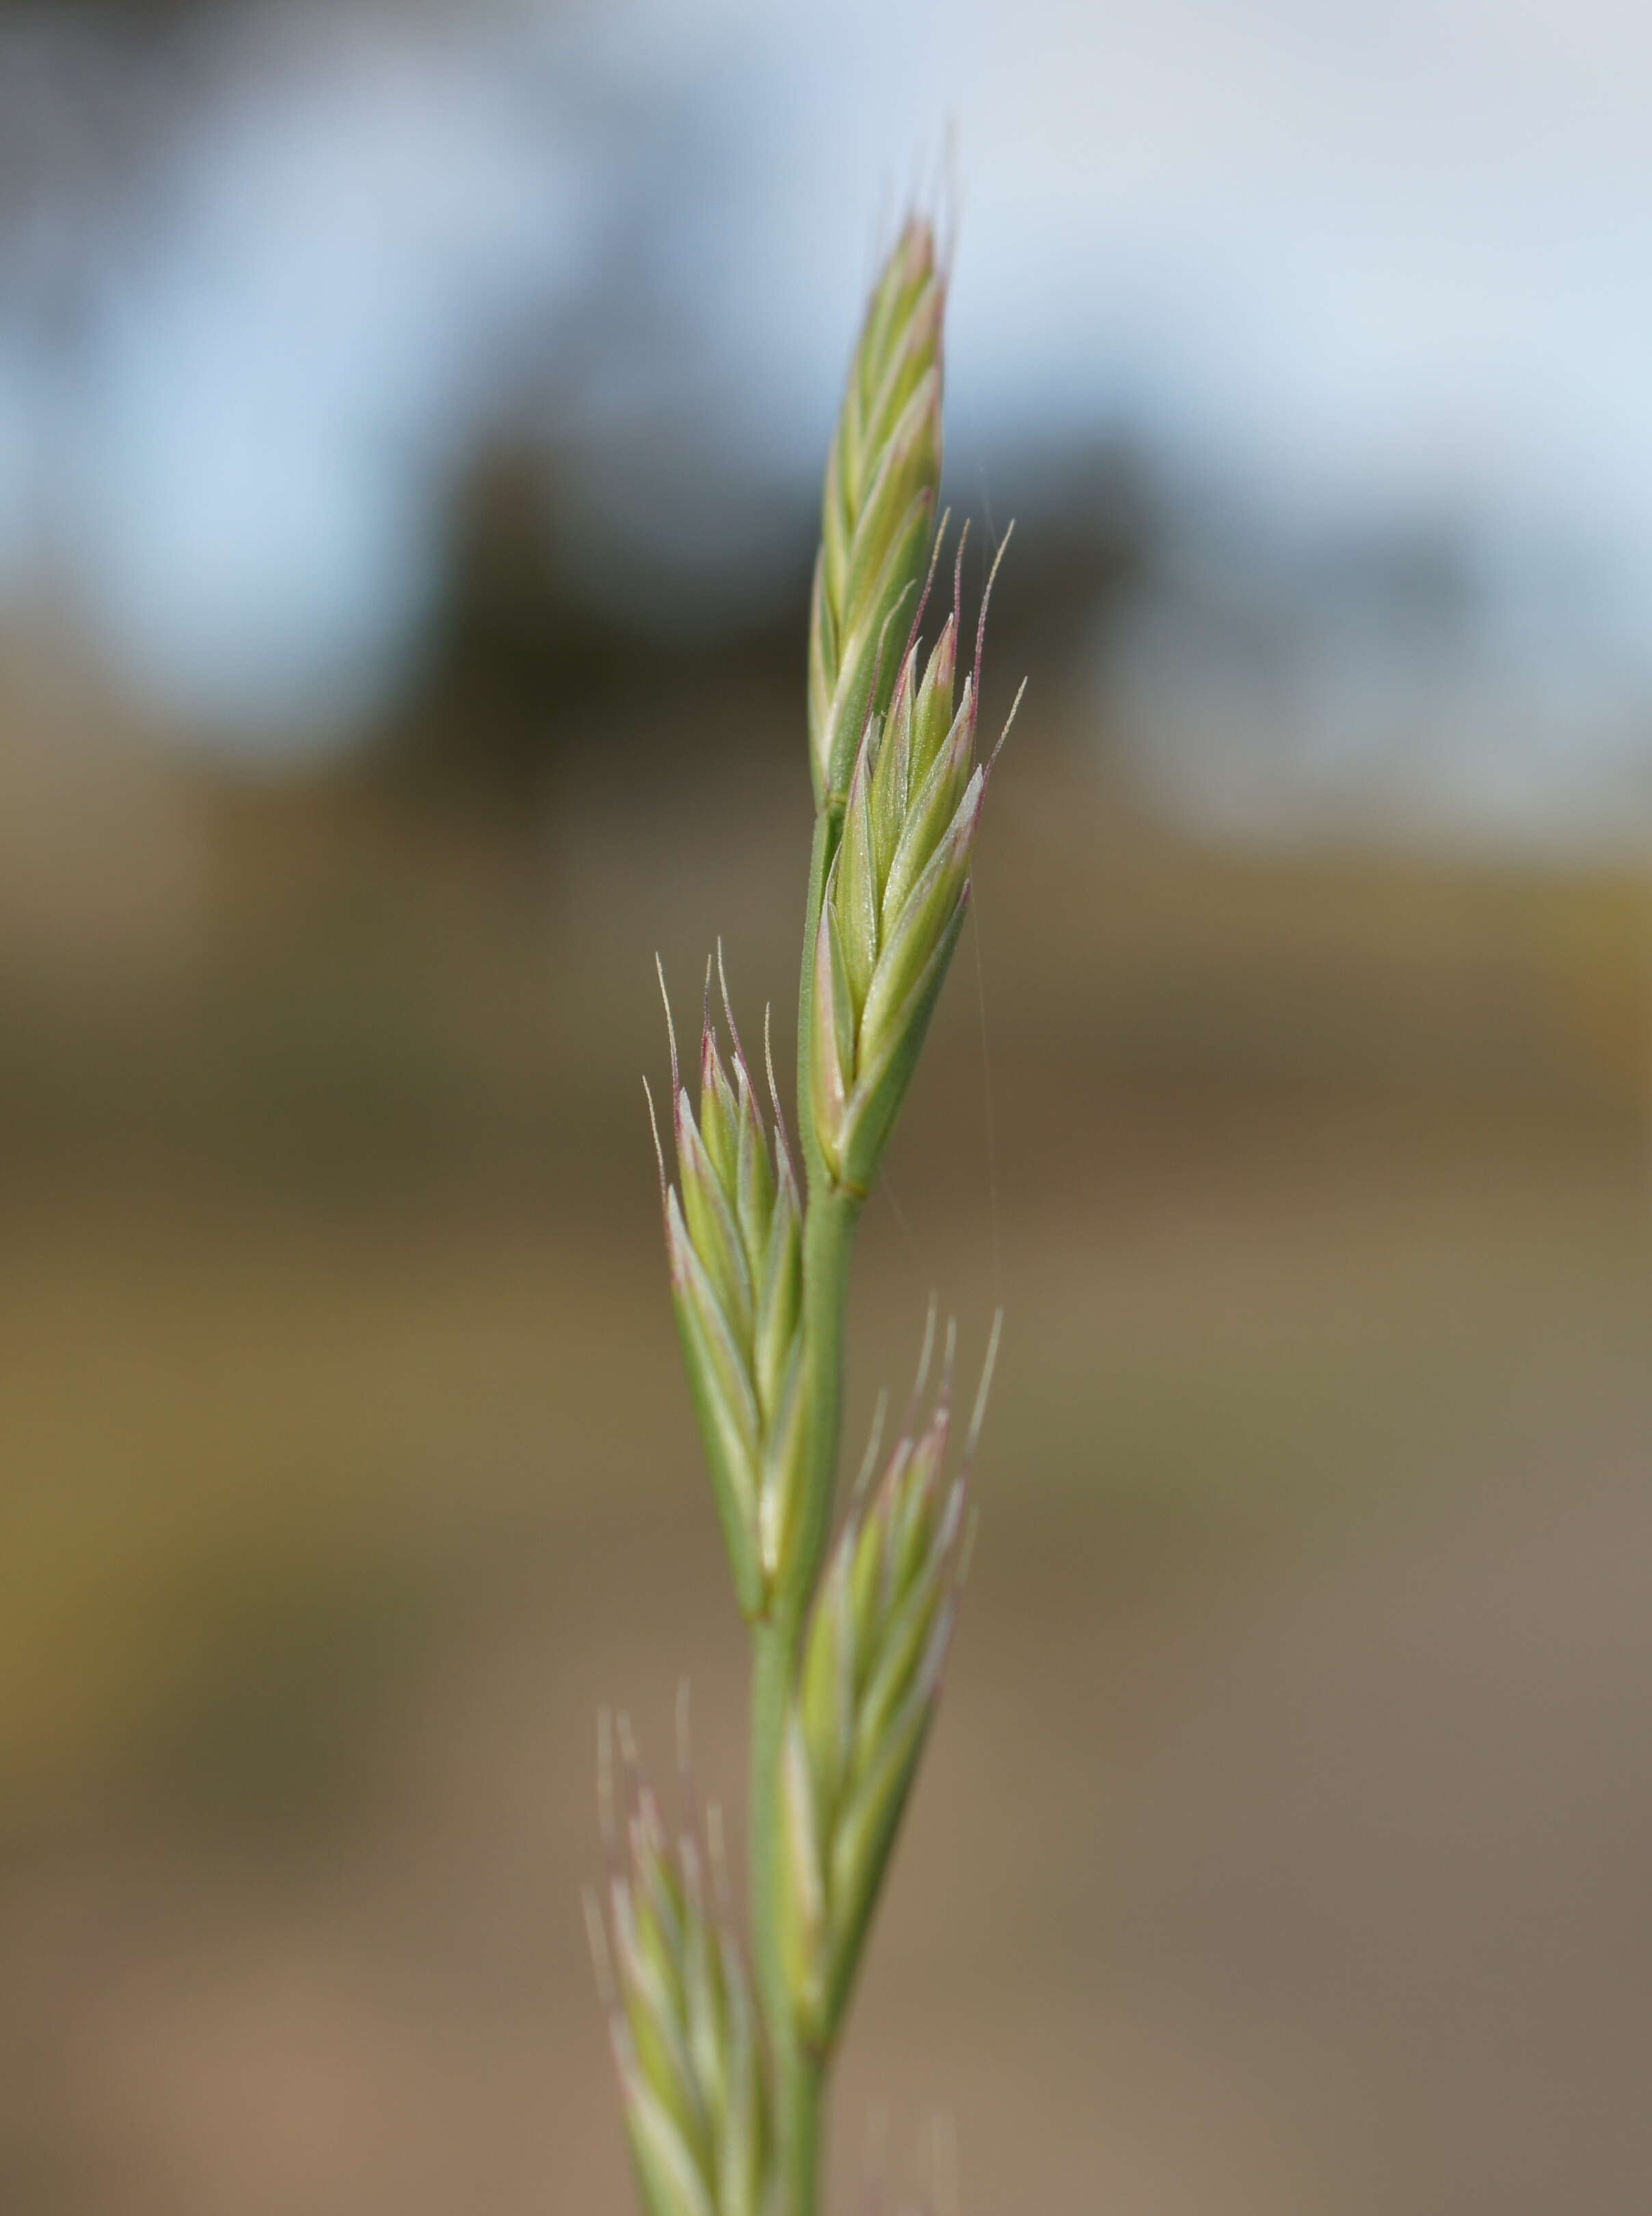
723 2066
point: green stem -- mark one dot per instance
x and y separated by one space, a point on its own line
827 1239
773 1642
802 2088
827 1245
799 2077
828 824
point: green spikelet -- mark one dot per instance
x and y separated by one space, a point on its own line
861 1708
894 904
733 1227
882 480
683 2023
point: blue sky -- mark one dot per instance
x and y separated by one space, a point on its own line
1359 263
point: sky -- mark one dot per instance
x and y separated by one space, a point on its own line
1357 265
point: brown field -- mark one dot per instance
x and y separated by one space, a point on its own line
1283 1845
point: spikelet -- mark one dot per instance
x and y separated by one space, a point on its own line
882 480
860 1710
733 1227
893 903
682 2018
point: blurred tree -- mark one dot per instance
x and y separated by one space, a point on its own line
526 658
512 658
1090 532
90 97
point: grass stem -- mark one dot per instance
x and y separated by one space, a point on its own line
828 1238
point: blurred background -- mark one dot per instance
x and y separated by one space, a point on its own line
410 422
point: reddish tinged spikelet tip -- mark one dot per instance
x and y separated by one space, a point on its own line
685 1130
943 657
710 1062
